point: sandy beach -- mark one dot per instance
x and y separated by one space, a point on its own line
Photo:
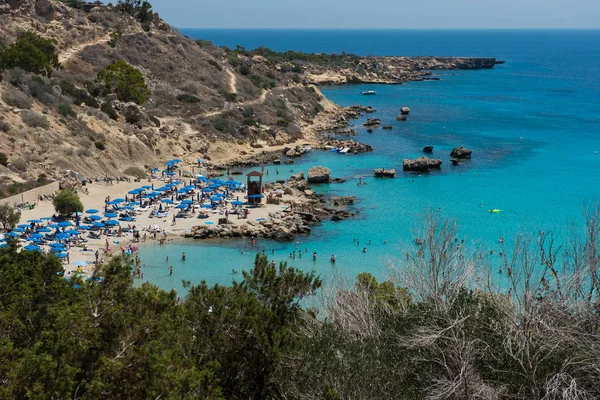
95 199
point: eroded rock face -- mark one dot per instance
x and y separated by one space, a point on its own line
319 175
421 164
461 153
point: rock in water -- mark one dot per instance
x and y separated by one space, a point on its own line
461 153
428 149
420 164
404 111
319 175
401 117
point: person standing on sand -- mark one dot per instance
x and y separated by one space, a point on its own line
97 254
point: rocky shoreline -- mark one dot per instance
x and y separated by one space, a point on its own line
296 219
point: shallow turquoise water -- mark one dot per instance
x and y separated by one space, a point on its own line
532 124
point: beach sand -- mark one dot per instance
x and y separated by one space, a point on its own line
97 192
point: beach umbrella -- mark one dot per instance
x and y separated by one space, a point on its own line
72 232
126 207
85 227
176 160
92 211
167 201
35 221
12 234
111 222
57 245
95 218
170 173
31 247
120 200
135 191
98 224
46 219
134 203
207 190
53 226
256 196
187 201
237 203
19 229
65 223
147 187
206 206
113 202
44 230
215 198
61 255
24 226
36 236
63 235
220 195
128 219
110 215
182 206
154 170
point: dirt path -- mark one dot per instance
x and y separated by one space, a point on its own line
69 53
232 82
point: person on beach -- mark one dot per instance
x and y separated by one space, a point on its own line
97 254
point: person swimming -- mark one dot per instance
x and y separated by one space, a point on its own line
333 258
183 256
315 256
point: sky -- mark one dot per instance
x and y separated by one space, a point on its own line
381 14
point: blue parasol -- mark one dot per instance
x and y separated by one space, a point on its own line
92 211
111 222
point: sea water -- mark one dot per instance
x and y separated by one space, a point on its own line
533 125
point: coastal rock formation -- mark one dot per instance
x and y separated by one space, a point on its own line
405 111
384 173
387 127
354 146
372 123
401 117
319 175
428 149
421 164
297 151
460 153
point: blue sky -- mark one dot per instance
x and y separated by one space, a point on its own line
380 14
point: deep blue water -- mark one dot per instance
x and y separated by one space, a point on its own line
533 125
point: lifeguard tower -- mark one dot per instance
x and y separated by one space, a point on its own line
255 187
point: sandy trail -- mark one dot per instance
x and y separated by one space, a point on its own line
71 52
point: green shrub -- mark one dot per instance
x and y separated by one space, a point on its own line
204 43
32 53
223 124
3 159
244 70
66 111
108 109
66 203
4 126
80 96
248 111
297 69
99 145
114 37
135 171
155 120
34 120
188 98
215 64
17 99
18 165
125 81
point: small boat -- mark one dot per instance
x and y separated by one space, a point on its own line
368 92
307 147
384 173
344 150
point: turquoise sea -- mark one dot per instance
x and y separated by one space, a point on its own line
533 125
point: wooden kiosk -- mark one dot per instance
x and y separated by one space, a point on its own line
255 187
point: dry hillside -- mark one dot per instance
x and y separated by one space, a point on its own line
204 102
